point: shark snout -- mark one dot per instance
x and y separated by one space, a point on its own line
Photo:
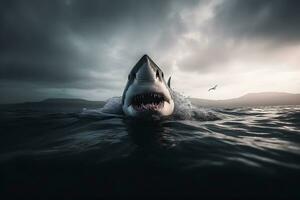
146 73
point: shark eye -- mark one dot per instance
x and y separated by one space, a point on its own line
157 74
131 76
162 74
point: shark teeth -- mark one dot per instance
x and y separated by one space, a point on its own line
148 101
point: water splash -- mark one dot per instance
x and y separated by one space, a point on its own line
113 106
185 110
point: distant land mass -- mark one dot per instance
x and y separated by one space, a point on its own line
55 104
252 99
75 105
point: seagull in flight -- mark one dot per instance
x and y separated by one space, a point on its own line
213 88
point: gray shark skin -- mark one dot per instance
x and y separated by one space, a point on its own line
146 92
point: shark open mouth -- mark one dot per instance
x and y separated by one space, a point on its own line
148 101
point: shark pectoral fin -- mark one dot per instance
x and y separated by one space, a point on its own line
169 82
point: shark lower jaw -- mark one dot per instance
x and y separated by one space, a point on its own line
151 102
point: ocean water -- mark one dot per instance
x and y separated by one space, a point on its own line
209 152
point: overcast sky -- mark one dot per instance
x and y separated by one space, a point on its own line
85 49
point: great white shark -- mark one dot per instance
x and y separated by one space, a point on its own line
146 92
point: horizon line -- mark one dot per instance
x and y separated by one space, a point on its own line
78 98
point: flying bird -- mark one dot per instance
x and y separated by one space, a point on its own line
213 88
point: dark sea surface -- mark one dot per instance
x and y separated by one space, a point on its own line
237 152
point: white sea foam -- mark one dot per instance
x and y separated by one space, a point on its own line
185 110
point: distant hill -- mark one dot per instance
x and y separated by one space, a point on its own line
252 99
55 105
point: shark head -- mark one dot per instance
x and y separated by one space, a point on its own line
146 92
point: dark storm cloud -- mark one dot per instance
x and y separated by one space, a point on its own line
32 48
62 43
276 20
